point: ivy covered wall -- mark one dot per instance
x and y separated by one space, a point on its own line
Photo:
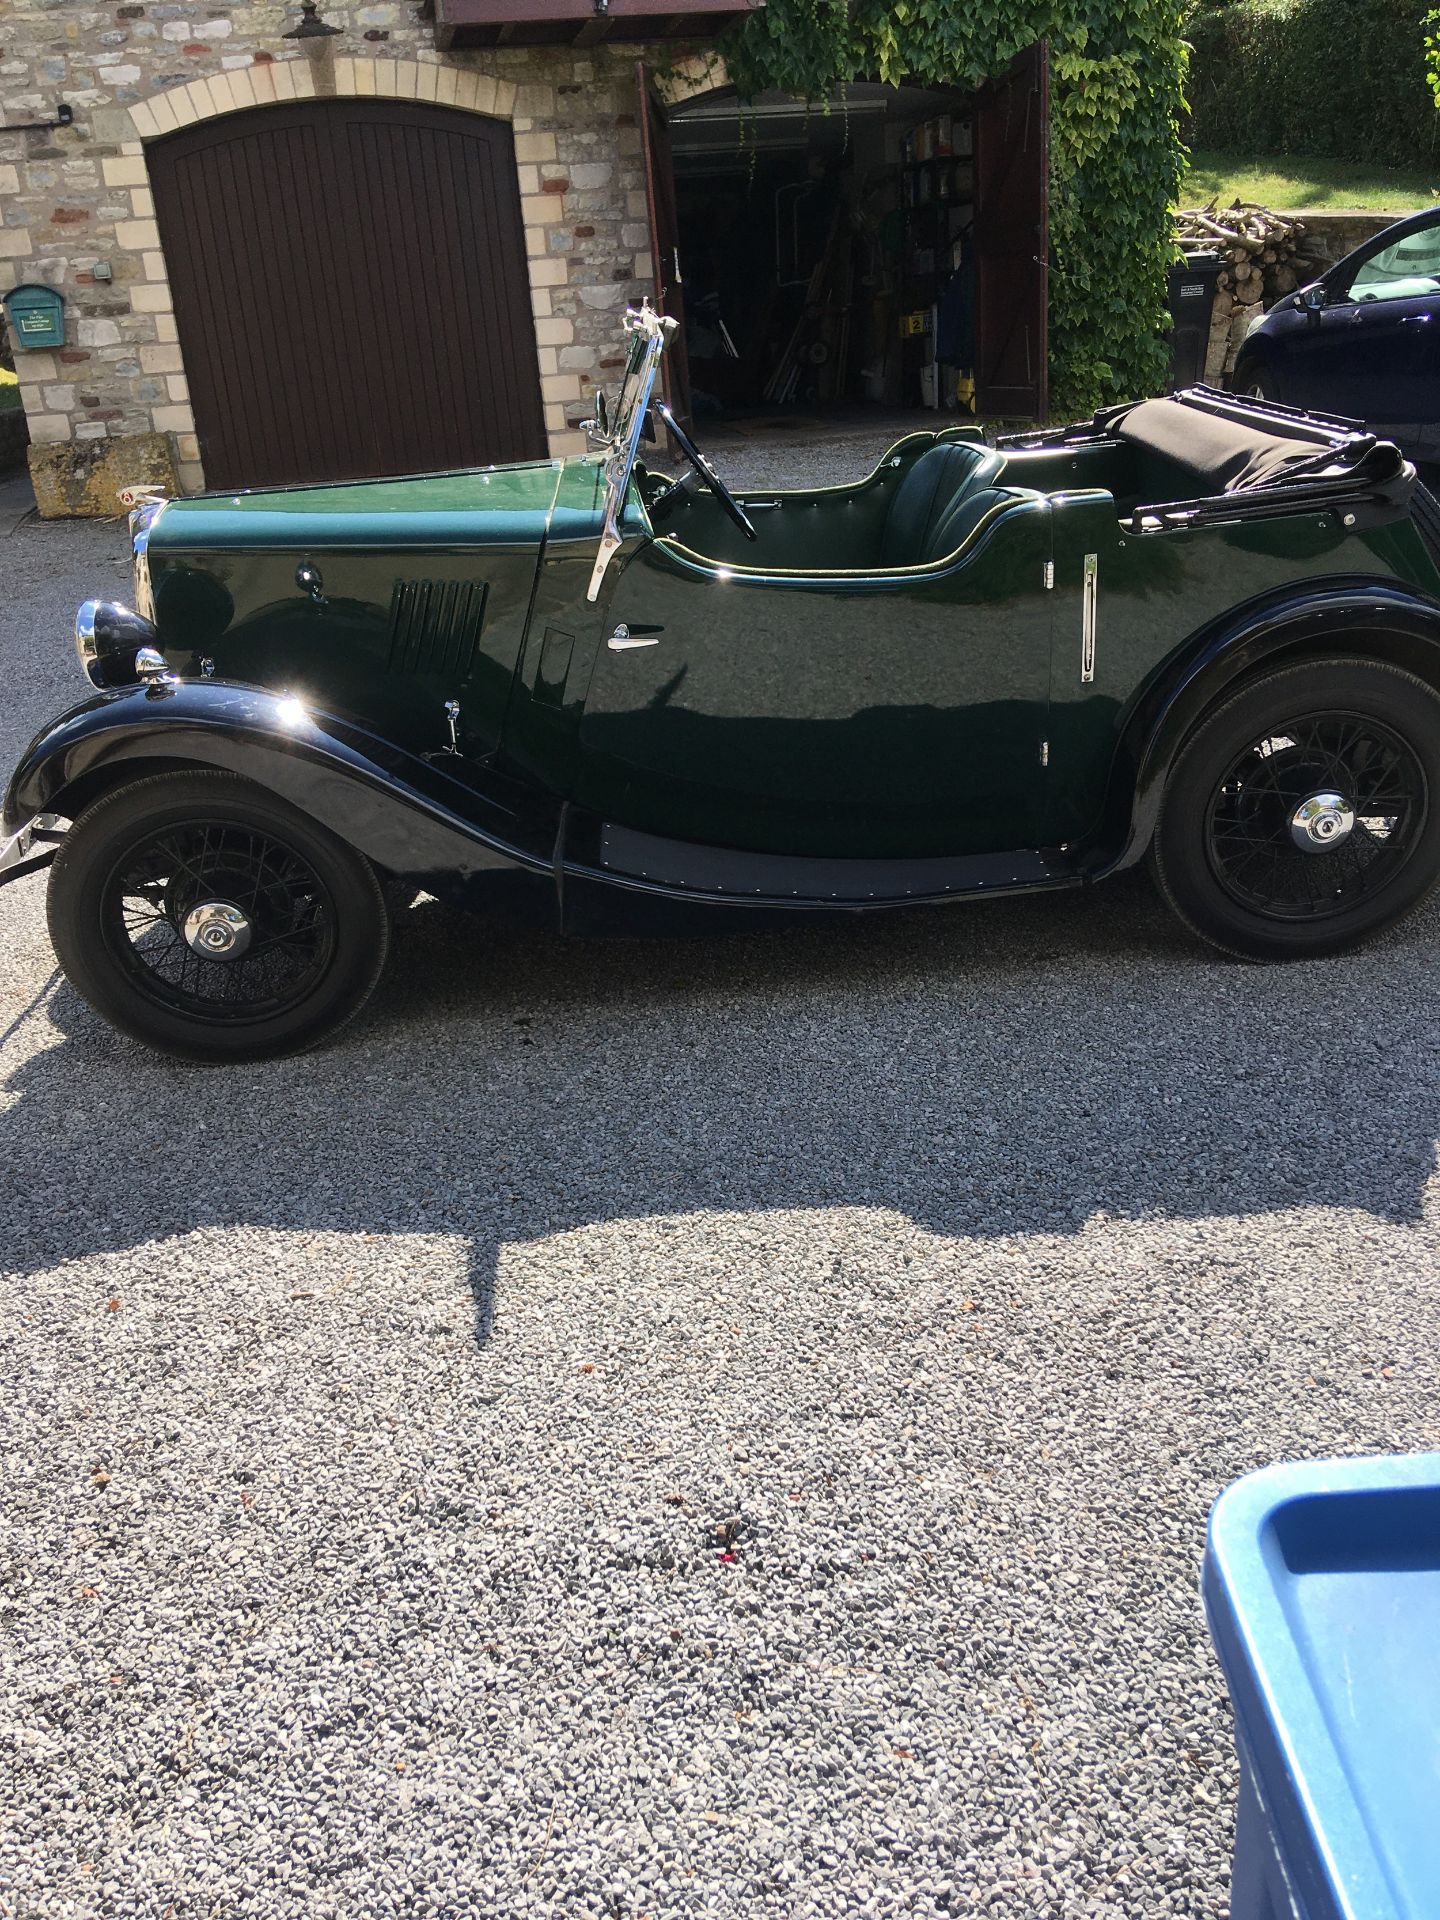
1117 70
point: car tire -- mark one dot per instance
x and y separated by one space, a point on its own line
1255 384
1303 814
214 921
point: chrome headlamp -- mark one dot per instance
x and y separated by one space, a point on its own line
116 646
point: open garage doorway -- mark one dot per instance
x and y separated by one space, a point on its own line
880 259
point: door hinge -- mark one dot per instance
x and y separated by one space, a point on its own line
1044 753
1049 575
1088 613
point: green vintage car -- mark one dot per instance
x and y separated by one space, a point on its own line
1198 629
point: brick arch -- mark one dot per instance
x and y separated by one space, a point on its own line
295 79
467 89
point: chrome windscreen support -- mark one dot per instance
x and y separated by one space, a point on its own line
611 542
650 332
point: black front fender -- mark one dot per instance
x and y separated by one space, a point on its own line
1372 619
409 815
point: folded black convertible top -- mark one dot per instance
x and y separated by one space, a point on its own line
1222 455
1229 451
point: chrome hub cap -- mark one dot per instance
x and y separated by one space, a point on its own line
218 930
1322 822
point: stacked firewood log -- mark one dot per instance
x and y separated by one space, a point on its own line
1264 258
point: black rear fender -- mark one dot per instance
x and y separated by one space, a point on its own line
406 814
1367 620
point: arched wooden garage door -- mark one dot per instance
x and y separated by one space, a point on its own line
350 290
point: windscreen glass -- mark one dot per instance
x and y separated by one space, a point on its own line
634 390
1408 270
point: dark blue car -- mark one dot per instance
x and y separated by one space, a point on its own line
1363 340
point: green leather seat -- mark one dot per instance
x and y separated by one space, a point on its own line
935 504
940 502
964 516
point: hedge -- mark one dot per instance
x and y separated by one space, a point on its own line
1342 79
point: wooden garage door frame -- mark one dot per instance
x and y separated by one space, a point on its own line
351 290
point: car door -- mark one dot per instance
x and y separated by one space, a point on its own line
1318 346
1395 297
828 715
1372 352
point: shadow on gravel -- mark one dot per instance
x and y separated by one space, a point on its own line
1002 1070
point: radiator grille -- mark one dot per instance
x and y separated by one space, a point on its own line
435 626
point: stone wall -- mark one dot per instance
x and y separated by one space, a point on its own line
77 200
1330 236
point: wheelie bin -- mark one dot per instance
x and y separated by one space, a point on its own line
1191 293
1322 1589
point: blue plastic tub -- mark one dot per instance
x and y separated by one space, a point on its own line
1322 1587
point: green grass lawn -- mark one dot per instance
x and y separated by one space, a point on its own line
9 390
1282 181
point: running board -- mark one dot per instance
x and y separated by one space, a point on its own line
654 863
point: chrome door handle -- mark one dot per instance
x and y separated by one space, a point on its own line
621 640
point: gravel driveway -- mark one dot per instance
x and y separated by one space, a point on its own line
700 1427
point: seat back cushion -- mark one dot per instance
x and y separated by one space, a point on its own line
955 527
940 480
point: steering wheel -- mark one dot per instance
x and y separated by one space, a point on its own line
708 476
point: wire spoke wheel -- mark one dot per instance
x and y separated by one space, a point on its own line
1314 817
219 921
214 920
1298 816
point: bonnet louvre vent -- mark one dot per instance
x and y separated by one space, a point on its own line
435 626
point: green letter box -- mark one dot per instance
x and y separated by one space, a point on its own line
37 317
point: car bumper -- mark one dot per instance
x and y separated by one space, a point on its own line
33 847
